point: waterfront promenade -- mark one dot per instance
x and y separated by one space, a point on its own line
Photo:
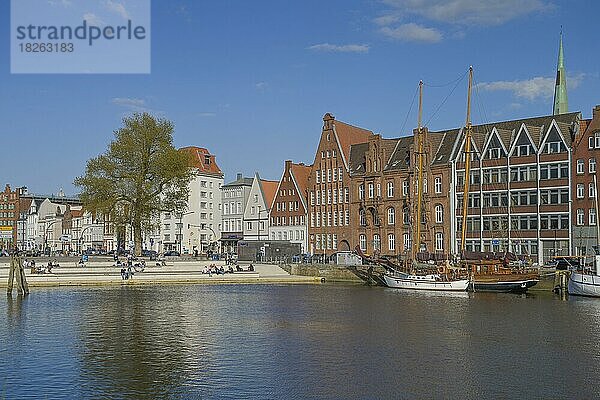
100 272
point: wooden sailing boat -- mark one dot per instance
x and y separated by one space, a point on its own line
588 284
486 275
415 280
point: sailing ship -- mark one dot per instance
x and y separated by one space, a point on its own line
487 273
580 282
416 280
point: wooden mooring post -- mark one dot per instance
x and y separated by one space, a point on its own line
561 281
17 273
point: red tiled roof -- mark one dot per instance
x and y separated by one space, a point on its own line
301 173
198 159
24 204
349 135
269 188
76 213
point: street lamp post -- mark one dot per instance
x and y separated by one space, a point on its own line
180 239
46 234
204 226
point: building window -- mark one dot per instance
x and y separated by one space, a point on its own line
361 191
439 214
580 191
592 168
376 242
362 217
437 183
249 225
391 242
580 216
391 215
362 239
592 190
317 176
591 142
439 241
406 241
580 166
371 190
339 174
405 188
592 216
390 189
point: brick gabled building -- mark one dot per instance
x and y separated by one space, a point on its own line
383 195
584 216
289 210
328 189
10 201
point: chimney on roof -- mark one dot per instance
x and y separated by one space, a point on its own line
596 112
7 188
288 164
239 176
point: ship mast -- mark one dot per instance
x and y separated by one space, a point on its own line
417 241
467 152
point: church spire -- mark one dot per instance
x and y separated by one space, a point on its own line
561 104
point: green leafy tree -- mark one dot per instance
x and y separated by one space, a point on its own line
140 175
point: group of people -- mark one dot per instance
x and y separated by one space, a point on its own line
39 269
129 267
215 269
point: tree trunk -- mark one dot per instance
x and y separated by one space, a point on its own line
137 236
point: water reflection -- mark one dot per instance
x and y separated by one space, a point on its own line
327 341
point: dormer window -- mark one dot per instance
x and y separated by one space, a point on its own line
207 160
495 150
555 147
554 143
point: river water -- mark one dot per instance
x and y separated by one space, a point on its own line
295 342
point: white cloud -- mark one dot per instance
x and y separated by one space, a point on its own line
64 3
261 85
482 12
531 89
347 48
118 8
93 19
132 104
385 20
412 32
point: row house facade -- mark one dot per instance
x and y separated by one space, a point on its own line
584 218
10 216
520 192
257 208
198 228
384 195
289 210
235 196
328 188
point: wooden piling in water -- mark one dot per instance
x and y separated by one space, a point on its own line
17 273
561 280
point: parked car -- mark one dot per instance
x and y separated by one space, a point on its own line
172 253
149 253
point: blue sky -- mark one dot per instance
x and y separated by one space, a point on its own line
251 80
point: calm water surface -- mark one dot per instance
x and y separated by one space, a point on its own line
295 342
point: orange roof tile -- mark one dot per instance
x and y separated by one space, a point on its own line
301 173
198 159
269 188
349 135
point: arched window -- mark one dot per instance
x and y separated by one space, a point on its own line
363 242
438 184
439 214
362 217
391 216
376 242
